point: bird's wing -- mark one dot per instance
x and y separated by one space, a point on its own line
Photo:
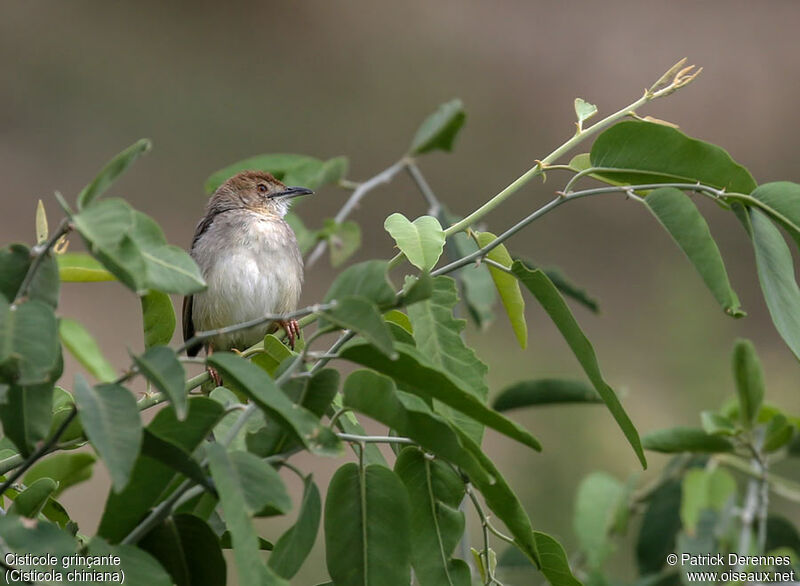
188 325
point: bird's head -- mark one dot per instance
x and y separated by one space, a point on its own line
258 191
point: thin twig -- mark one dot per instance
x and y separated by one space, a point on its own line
434 205
40 451
358 194
485 526
204 335
563 198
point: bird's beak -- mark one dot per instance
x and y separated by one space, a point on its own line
291 192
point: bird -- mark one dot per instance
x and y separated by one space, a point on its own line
249 258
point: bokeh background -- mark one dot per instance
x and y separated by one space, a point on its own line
213 82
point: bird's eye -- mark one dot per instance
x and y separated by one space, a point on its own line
262 188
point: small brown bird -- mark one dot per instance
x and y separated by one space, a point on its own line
249 258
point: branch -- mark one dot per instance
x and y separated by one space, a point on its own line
563 198
200 336
358 194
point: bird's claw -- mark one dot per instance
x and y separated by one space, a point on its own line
292 329
215 376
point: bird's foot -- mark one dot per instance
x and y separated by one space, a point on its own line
214 374
292 329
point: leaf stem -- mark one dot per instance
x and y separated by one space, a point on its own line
375 439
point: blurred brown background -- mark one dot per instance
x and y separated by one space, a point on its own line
213 82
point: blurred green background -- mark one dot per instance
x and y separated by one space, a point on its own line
212 82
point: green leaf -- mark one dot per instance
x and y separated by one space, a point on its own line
367 527
778 433
344 239
660 526
584 110
422 241
293 547
249 563
548 296
315 394
66 469
397 317
704 489
749 381
717 424
781 201
158 318
37 539
544 391
555 565
646 152
26 415
274 353
79 267
376 396
507 287
30 502
82 345
439 130
288 168
503 502
62 407
169 268
303 424
437 524
161 367
776 274
151 477
110 418
264 492
416 289
139 566
413 372
113 169
132 247
106 228
438 336
367 279
564 284
15 260
781 532
599 496
685 439
175 457
361 315
676 212
188 549
29 347
225 542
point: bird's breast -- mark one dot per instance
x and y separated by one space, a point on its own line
253 268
